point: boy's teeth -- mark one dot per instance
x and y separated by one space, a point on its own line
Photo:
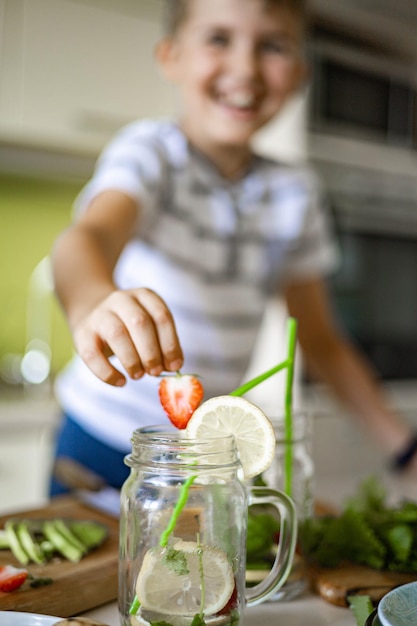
241 100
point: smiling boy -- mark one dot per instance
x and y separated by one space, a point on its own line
183 234
235 65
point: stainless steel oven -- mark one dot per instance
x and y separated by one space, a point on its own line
362 107
363 94
374 291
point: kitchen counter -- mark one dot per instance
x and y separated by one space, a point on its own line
308 609
337 478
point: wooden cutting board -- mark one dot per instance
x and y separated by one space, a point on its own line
337 583
76 587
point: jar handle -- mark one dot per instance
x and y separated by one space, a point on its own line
286 547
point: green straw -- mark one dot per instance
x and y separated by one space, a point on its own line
163 542
181 502
258 379
288 460
135 606
288 364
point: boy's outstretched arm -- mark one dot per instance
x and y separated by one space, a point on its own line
339 364
135 325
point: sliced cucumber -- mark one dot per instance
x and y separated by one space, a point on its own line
91 534
14 543
29 543
61 544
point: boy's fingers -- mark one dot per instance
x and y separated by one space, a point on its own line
133 338
116 335
138 328
93 355
164 328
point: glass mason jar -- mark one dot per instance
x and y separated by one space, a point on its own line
183 532
292 471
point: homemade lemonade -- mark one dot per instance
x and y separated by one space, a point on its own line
184 518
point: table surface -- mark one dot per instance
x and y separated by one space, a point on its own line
307 609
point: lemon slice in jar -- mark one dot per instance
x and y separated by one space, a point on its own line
170 588
234 415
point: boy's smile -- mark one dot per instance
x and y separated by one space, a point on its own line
235 63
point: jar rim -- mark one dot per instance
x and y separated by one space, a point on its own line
164 446
165 433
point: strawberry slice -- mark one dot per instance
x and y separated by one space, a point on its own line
180 395
11 578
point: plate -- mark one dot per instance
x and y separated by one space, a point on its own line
373 619
12 618
399 606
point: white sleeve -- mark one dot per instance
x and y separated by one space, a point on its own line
131 163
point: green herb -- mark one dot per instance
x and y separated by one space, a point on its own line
261 533
361 607
176 561
41 582
234 618
367 532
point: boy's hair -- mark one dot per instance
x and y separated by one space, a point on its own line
176 11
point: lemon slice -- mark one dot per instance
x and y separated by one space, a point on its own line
234 415
162 589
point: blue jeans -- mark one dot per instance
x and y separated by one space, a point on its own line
77 444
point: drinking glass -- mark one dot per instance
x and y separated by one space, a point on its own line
292 471
183 532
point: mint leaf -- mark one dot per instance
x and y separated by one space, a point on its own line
368 531
176 561
400 540
323 541
363 545
198 620
261 531
369 497
361 607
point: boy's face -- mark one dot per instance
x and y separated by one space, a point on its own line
235 63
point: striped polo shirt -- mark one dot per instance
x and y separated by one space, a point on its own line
215 250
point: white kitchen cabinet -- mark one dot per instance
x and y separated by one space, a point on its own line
2 14
74 71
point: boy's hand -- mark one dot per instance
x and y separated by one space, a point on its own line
134 325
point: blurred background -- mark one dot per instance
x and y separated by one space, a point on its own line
72 72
